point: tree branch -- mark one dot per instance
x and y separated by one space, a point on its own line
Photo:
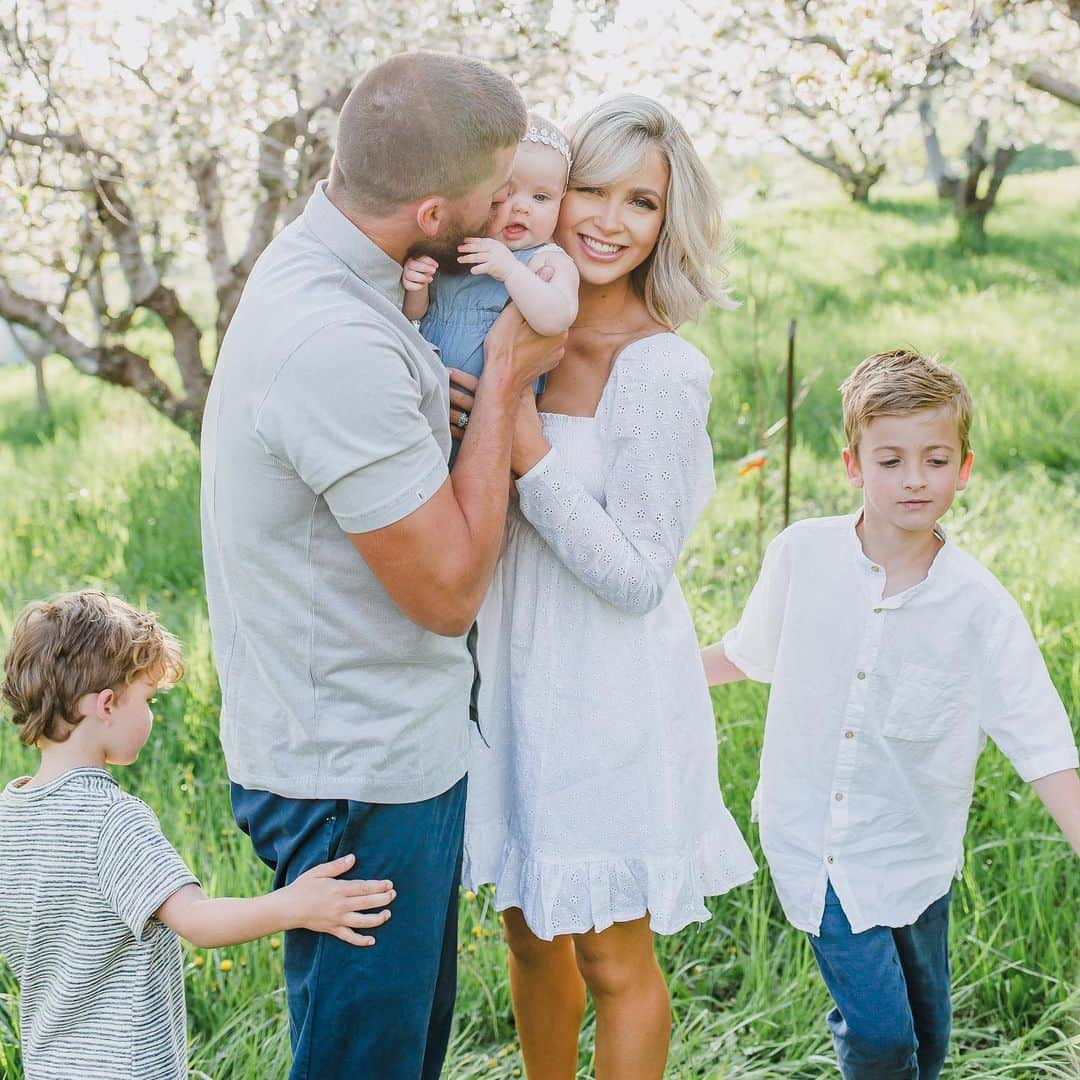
1041 78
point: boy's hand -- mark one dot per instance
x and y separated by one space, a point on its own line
488 256
419 272
317 900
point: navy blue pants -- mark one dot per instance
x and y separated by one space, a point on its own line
381 1011
891 987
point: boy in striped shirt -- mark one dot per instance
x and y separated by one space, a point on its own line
92 895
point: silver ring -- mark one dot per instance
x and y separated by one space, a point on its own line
463 420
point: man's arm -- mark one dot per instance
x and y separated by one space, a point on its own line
437 561
1060 794
316 900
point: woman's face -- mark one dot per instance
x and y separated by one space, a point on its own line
609 231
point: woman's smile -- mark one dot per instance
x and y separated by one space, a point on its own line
603 250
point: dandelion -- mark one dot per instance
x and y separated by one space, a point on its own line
198 961
698 969
470 895
225 965
472 948
275 943
477 931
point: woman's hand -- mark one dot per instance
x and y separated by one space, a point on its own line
529 442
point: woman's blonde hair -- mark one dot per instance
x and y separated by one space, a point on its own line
686 268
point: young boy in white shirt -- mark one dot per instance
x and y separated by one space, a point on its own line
892 655
92 896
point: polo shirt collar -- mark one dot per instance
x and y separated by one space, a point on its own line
873 570
352 246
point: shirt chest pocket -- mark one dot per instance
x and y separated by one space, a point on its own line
926 703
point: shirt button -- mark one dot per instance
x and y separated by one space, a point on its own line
860 674
839 796
829 859
876 569
878 611
849 734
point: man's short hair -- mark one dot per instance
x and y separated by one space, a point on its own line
423 124
899 382
75 644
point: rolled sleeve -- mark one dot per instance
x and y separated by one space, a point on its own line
1023 712
345 412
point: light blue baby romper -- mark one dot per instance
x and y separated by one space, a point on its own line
462 309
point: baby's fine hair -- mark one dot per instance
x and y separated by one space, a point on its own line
899 382
80 643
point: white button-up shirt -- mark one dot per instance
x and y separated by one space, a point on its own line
878 711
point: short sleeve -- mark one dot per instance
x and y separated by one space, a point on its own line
1022 711
138 869
753 643
345 413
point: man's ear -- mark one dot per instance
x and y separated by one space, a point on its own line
430 213
851 466
965 472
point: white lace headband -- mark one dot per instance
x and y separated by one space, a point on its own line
541 133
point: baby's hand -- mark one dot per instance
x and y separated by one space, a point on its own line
419 271
488 256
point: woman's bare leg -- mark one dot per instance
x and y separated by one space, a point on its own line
549 999
633 1009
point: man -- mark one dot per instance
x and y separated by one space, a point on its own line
344 566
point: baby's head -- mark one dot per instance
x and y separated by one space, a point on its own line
537 186
80 652
907 420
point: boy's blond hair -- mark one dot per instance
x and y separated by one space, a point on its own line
75 644
899 382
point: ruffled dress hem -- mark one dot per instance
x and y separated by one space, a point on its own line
557 896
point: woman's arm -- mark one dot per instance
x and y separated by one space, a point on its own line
316 900
718 668
624 548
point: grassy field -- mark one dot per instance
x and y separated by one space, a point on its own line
108 497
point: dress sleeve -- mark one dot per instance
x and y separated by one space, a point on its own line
623 547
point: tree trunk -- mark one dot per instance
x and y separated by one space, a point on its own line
937 168
44 406
971 208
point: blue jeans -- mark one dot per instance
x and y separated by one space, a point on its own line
891 987
384 1010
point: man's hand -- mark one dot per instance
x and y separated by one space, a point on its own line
516 352
419 272
529 442
488 256
317 900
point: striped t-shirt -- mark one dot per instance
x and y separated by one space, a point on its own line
83 868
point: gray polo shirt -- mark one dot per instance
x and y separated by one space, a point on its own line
327 414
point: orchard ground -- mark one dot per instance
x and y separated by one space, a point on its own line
107 495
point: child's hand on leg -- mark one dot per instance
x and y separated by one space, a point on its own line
319 900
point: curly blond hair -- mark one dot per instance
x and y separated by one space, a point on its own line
80 643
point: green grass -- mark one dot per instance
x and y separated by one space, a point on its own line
108 496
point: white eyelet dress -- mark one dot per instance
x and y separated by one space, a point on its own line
593 792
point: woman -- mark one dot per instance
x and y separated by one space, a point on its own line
594 804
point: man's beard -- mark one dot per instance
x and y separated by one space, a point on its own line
444 247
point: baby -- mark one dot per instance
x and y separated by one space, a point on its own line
457 310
